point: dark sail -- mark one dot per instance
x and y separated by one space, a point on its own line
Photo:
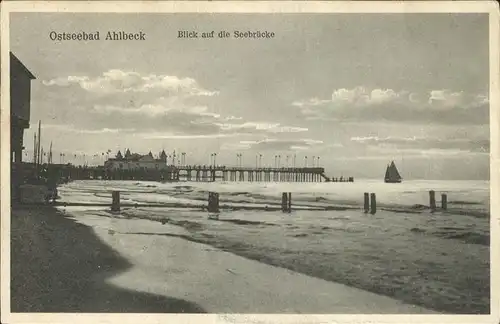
387 172
392 174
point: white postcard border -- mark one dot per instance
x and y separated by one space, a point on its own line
251 7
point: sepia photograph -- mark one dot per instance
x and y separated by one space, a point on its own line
229 158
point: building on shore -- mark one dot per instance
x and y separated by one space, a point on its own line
134 161
20 109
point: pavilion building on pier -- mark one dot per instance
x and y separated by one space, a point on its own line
135 161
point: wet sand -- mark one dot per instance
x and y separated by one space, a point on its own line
58 265
381 253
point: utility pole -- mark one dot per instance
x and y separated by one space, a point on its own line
39 142
34 149
50 154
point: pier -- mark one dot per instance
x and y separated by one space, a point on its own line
196 173
212 173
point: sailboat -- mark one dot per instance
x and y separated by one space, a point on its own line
392 174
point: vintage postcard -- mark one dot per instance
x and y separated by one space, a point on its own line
250 162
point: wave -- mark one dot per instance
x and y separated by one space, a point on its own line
454 233
406 198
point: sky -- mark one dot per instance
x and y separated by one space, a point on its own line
355 90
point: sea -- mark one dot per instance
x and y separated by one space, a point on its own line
462 195
439 259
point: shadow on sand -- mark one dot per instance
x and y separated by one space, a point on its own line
58 265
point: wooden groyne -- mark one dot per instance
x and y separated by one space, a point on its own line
213 205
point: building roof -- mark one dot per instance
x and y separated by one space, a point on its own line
15 61
136 158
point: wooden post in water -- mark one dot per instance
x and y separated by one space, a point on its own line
213 202
115 205
373 205
367 202
444 201
289 202
284 202
432 200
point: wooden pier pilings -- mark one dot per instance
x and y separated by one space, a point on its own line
198 173
312 174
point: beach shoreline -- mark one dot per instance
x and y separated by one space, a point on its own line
370 265
361 266
59 265
75 268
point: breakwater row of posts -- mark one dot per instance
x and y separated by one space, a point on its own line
200 173
213 205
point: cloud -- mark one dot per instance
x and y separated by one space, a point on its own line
260 126
154 110
274 145
436 106
431 152
310 102
174 136
233 118
164 106
122 100
389 139
73 129
181 119
425 144
118 81
410 155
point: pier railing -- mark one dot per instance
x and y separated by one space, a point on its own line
198 173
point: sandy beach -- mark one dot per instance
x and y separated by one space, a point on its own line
58 265
74 269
